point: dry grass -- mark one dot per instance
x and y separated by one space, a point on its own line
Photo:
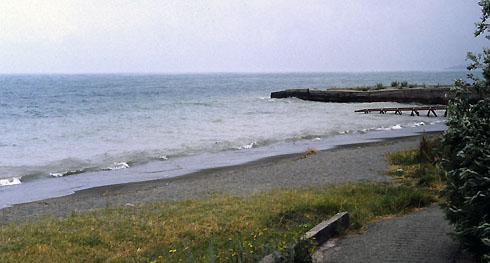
418 166
310 151
223 228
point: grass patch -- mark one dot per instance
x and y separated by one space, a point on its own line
224 228
403 158
419 166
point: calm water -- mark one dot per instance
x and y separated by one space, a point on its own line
54 127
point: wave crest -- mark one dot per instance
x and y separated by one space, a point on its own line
10 181
66 173
247 146
118 166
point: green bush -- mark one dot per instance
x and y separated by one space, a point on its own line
467 162
379 86
395 84
467 153
404 84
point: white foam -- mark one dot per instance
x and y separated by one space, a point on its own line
163 157
56 174
10 181
436 122
119 166
396 127
417 124
247 146
65 173
317 139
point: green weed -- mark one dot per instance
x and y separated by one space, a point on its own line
224 228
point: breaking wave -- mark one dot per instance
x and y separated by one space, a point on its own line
118 166
247 146
10 181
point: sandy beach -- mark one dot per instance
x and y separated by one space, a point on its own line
349 163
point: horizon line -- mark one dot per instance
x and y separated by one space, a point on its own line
225 72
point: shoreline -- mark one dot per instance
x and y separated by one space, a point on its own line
356 162
49 187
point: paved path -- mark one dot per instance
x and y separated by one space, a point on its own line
418 237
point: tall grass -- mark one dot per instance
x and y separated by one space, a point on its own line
420 164
222 228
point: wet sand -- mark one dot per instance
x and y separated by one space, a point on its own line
349 163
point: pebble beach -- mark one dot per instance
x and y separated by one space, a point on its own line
343 164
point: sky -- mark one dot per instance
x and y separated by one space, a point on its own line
174 36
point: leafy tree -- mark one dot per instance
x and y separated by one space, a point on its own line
467 152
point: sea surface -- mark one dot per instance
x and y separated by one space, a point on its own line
63 133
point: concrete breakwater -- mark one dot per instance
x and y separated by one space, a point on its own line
431 95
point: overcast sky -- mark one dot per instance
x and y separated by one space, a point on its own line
94 36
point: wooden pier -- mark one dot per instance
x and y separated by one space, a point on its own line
413 110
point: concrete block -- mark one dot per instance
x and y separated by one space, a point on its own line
329 228
320 233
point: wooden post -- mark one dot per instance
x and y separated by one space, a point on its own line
413 110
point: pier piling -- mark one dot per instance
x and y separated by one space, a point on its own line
413 110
